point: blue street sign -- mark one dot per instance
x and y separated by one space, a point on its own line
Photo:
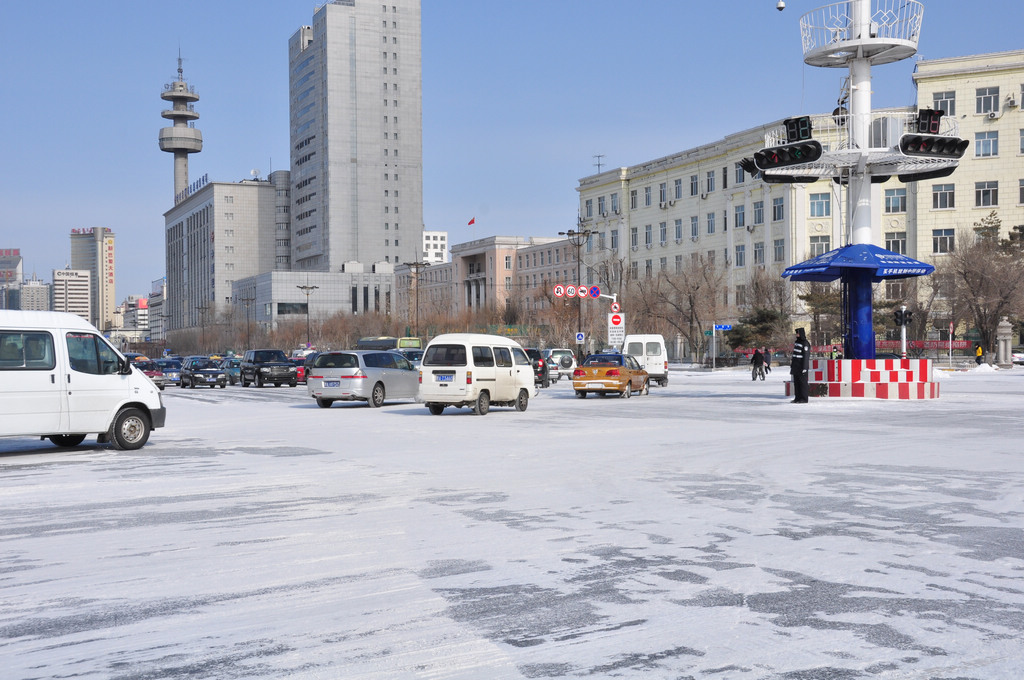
723 326
595 292
579 338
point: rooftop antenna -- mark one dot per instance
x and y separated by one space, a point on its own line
599 164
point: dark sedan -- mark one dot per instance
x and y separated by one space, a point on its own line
201 371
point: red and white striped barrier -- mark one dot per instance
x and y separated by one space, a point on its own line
871 379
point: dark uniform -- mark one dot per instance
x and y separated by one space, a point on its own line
799 365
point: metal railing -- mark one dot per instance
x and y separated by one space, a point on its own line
890 20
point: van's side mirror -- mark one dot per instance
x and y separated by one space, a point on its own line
124 367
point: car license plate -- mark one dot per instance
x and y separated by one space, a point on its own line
595 385
445 378
332 383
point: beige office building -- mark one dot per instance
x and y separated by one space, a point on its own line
92 250
72 292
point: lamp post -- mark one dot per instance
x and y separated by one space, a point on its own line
307 289
577 238
416 267
248 301
202 325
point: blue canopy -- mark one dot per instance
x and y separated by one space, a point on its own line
882 264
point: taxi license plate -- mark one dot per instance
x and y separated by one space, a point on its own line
445 378
595 385
332 383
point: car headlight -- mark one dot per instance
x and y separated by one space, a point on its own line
293 369
265 370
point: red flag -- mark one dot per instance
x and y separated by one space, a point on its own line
472 221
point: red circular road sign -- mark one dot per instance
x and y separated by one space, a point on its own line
582 292
615 307
570 291
559 290
616 320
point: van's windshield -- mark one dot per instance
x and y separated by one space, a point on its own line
445 355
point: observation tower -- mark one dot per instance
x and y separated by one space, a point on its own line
182 138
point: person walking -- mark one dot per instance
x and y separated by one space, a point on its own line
978 354
757 361
798 367
767 360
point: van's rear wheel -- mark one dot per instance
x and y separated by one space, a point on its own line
435 409
483 404
376 399
67 439
130 430
523 400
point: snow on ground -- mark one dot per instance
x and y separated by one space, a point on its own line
708 530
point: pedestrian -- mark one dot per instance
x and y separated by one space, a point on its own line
767 360
836 354
977 354
757 361
798 367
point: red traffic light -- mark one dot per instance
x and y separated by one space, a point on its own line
788 154
933 146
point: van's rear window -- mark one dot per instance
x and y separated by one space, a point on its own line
445 355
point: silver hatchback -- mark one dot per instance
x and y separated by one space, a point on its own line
361 375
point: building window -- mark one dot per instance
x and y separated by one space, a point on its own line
633 269
663 233
694 227
820 245
588 205
896 241
986 194
711 258
647 196
648 236
601 210
711 223
1022 141
759 252
1020 198
986 144
758 212
945 101
679 230
710 181
663 192
663 264
632 199
895 289
942 241
986 100
741 216
942 196
741 295
614 239
679 264
508 262
896 200
741 256
615 203
694 185
678 189
778 209
780 249
821 205
634 238
739 173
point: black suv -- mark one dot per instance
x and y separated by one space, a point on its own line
262 366
540 367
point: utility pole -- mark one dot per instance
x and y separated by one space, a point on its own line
416 267
202 326
577 238
247 301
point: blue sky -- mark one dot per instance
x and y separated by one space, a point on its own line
518 97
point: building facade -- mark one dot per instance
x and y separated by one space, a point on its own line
92 250
355 85
435 247
72 292
36 295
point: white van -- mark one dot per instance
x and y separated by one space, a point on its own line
650 351
61 380
470 369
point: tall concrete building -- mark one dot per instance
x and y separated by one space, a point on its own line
72 290
35 295
92 250
182 138
355 85
11 276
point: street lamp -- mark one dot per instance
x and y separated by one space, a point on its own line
416 267
307 289
247 301
577 238
202 325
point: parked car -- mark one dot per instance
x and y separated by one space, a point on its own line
415 356
197 371
650 352
232 369
540 367
476 370
171 369
603 374
300 368
561 363
361 375
153 372
307 363
262 366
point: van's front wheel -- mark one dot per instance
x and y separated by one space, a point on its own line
523 400
483 404
130 430
67 439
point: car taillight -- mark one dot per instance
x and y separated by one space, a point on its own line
469 377
421 377
666 365
357 374
579 373
613 373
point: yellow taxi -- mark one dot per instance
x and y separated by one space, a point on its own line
610 373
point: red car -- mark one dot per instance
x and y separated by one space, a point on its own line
300 368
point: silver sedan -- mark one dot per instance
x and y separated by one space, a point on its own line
361 375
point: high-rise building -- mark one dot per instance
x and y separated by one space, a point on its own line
356 135
435 247
10 278
35 295
92 250
72 292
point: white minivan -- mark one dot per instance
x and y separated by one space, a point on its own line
476 370
650 351
61 380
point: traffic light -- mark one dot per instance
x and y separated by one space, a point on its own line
806 151
908 316
927 141
898 317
